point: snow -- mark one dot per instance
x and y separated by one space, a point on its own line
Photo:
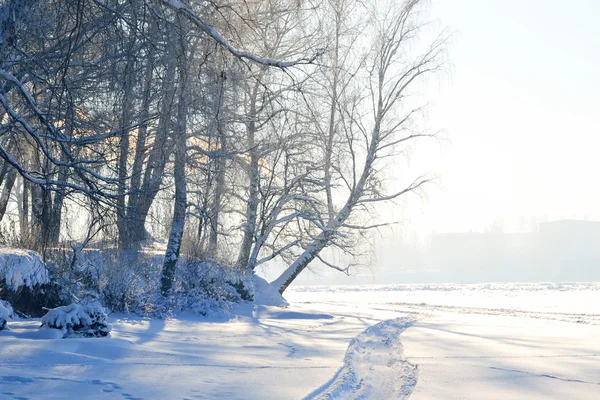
467 356
373 367
489 341
20 267
266 294
504 341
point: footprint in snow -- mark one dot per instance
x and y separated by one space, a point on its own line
130 397
14 379
291 349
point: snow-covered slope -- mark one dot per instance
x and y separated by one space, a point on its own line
283 354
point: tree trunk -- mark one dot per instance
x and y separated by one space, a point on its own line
180 150
139 206
253 182
24 211
332 117
325 237
215 209
140 143
41 203
127 107
11 176
56 218
292 272
251 211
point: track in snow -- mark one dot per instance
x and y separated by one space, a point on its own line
374 366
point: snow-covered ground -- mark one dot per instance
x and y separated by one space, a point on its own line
435 342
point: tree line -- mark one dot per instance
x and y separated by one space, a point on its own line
256 130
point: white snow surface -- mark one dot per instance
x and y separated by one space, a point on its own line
20 267
266 294
496 341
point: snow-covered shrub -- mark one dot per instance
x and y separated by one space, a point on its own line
20 267
129 281
6 313
128 284
203 287
78 320
121 280
25 281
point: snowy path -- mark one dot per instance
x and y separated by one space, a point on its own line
374 367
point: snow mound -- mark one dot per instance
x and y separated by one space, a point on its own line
6 313
78 320
374 367
265 294
20 267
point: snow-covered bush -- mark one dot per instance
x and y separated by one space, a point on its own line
122 281
203 287
20 267
6 313
128 284
129 281
24 281
78 320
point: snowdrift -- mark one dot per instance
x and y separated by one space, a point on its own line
267 295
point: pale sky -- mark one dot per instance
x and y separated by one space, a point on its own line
521 110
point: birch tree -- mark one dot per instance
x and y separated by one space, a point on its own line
180 153
391 70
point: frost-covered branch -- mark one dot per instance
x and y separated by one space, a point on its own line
216 35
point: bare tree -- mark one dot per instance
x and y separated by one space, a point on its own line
390 75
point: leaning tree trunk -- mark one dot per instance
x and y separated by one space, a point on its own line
319 243
329 232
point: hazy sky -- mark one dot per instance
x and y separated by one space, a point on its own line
521 109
